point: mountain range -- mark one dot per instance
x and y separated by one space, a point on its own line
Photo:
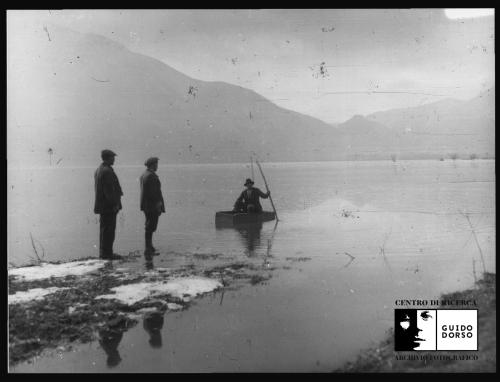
78 93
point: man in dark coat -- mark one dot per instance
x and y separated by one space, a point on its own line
108 195
151 201
249 200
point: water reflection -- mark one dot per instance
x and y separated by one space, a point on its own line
153 323
109 339
250 235
253 238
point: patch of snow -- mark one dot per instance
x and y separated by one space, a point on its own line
32 294
134 316
47 270
147 310
73 308
125 276
183 288
155 301
174 306
131 293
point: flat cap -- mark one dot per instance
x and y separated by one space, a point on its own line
150 161
107 153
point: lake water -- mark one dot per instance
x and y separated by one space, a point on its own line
374 232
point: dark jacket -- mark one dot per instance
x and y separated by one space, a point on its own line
151 192
108 192
252 197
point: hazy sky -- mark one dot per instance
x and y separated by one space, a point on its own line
330 64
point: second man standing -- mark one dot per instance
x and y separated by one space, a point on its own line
151 201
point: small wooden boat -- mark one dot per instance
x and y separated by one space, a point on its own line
230 218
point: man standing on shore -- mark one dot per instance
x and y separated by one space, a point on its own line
108 195
151 202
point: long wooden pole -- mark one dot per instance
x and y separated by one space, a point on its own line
251 164
267 188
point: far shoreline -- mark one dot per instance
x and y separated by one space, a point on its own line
272 163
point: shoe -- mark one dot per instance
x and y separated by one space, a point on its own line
113 256
151 251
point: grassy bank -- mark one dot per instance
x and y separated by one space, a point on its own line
382 358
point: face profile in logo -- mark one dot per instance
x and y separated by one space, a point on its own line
415 330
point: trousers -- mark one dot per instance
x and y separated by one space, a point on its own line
107 233
151 221
150 227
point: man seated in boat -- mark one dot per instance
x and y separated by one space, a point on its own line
249 200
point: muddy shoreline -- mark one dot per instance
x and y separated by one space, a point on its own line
74 314
382 358
77 311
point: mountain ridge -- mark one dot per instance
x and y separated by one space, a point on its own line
78 93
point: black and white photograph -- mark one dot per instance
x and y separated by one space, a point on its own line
251 190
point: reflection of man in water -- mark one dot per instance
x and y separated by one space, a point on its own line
251 236
413 329
153 323
109 340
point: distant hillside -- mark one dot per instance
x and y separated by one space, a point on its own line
77 94
447 126
434 130
81 93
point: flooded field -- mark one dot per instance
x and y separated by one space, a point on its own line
352 238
